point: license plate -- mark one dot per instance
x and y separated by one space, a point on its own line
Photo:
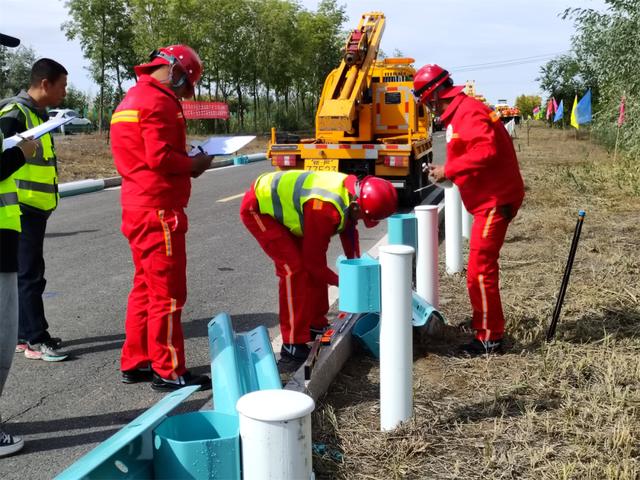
321 165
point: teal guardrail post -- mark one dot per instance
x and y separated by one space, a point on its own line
359 286
367 329
240 160
423 312
197 445
240 363
204 444
128 454
403 230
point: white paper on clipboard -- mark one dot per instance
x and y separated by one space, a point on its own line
35 132
221 145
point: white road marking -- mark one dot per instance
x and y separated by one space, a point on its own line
232 197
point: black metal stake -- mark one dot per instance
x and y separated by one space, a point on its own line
565 278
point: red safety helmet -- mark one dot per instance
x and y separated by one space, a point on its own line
377 199
182 56
430 79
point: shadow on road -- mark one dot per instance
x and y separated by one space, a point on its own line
110 419
68 234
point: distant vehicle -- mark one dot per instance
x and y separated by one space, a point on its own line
437 124
78 124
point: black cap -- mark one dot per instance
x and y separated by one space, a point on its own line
8 41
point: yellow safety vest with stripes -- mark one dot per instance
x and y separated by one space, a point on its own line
9 208
37 180
282 195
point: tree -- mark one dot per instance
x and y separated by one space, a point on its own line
104 28
15 69
76 100
526 104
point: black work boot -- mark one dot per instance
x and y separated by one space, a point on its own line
297 352
479 347
137 375
187 379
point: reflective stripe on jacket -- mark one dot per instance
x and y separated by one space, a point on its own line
37 180
282 195
9 208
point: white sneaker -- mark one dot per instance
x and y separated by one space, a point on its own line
9 444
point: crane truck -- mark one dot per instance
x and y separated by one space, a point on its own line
367 121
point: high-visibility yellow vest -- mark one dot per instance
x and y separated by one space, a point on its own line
283 195
9 208
37 180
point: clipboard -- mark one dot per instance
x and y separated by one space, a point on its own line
221 145
35 132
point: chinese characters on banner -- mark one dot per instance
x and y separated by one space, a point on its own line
200 110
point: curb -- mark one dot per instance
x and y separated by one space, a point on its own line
78 187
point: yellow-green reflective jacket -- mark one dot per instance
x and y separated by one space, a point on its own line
283 195
37 180
9 208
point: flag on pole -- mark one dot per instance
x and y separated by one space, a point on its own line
583 110
555 105
549 109
559 112
536 112
574 116
621 113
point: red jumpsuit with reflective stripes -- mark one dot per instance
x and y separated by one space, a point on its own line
482 162
301 262
148 141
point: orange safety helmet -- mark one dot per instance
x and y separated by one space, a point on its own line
377 199
182 56
433 78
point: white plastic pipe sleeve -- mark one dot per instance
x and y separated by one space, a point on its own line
452 229
396 346
275 428
427 278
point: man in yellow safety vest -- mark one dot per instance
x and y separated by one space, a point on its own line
37 187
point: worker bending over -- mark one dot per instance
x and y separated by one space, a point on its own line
482 162
293 215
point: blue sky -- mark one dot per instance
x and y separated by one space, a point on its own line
452 33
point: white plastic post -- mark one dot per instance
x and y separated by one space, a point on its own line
396 346
467 221
452 229
427 278
275 428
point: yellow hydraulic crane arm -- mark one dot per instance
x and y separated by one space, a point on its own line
338 107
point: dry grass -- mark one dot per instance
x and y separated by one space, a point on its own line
569 410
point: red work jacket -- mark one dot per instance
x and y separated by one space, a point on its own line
481 159
148 142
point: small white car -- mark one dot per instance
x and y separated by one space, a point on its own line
78 124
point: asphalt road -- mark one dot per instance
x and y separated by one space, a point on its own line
65 409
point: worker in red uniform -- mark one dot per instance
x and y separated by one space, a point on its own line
148 141
482 163
293 214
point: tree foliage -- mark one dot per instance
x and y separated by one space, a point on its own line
604 57
526 104
15 69
268 59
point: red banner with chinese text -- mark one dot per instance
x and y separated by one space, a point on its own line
199 110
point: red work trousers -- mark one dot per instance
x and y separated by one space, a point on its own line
483 273
303 302
153 329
